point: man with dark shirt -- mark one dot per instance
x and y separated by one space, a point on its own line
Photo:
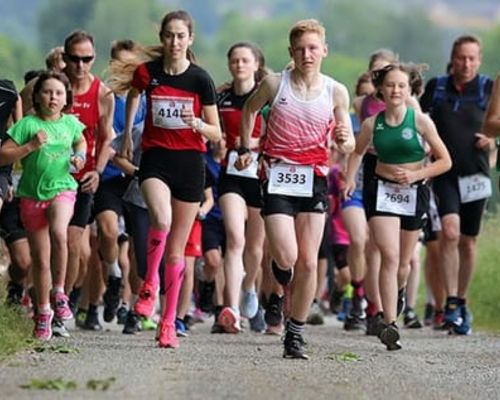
456 104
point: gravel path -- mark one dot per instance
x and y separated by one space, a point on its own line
432 365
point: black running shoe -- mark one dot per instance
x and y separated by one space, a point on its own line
390 337
257 323
411 319
274 310
375 324
111 298
74 298
132 323
92 321
14 294
121 315
206 294
216 328
428 314
355 320
294 346
401 301
336 300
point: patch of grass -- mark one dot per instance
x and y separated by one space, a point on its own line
50 384
15 328
484 296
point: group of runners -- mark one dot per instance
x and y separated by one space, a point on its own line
156 186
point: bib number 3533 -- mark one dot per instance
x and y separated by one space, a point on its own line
396 199
291 180
474 187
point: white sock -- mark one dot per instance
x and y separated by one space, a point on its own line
114 269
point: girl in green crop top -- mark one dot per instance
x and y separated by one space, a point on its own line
398 135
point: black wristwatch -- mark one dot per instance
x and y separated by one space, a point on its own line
242 150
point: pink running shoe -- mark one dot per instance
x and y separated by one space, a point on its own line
60 304
43 325
145 304
168 336
229 320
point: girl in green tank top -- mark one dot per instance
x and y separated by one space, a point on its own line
398 135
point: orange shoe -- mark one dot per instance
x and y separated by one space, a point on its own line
168 336
145 304
229 320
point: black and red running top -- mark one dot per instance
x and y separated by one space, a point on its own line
166 96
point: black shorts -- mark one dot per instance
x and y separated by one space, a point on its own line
183 171
448 202
82 214
432 224
11 227
369 165
408 223
247 188
339 252
109 195
4 185
213 235
290 205
325 246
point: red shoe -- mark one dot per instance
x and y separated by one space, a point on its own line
43 325
229 320
145 304
60 304
168 336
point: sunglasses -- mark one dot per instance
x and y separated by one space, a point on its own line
77 59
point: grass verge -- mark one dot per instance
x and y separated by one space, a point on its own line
15 328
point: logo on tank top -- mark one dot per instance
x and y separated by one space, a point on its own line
282 100
379 127
407 133
154 82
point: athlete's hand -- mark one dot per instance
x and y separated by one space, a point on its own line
39 140
243 161
127 150
341 133
484 143
10 193
90 182
348 189
404 176
78 163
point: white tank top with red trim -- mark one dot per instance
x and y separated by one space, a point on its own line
297 130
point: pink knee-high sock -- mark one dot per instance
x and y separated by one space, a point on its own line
174 275
156 246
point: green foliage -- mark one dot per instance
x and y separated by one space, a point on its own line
15 328
491 58
50 384
100 384
58 18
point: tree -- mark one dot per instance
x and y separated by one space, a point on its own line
58 18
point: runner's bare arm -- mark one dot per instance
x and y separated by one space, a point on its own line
491 125
344 138
131 106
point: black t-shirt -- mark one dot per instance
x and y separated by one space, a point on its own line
8 99
457 121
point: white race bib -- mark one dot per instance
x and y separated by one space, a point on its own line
167 111
249 172
474 187
291 180
396 199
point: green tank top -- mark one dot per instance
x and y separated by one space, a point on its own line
398 144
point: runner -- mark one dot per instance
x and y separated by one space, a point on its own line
44 142
492 118
305 106
457 104
396 197
239 191
93 104
181 114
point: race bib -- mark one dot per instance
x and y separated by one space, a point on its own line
474 187
167 111
291 180
249 172
396 199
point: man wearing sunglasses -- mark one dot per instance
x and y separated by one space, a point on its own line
93 104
